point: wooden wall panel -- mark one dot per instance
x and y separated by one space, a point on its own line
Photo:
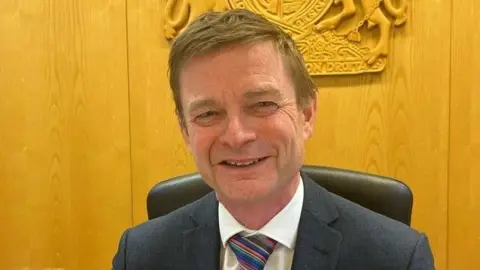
158 151
396 123
464 184
64 133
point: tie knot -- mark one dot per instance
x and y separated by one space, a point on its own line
252 252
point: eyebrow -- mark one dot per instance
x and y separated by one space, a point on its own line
248 95
201 103
262 91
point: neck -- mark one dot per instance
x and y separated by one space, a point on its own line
254 215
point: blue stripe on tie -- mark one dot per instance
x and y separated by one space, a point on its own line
252 252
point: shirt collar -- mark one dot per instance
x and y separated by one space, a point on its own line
282 227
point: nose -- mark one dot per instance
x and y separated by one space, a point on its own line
237 133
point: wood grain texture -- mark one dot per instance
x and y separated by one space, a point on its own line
158 151
464 184
64 138
396 123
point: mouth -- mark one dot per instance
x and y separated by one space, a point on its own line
242 164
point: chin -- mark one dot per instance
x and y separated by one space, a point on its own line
246 191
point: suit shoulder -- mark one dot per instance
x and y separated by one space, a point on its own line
178 220
150 242
169 227
367 234
356 217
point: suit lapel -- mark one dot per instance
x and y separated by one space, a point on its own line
318 244
201 244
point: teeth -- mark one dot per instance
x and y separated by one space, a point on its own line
242 164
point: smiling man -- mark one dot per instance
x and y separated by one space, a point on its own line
246 105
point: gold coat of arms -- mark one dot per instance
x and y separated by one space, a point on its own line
326 51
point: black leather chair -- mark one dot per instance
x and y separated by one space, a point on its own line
383 195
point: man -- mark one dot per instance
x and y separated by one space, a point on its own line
246 105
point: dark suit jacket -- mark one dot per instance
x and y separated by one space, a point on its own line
333 233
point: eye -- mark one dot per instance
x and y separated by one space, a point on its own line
206 114
207 118
264 108
264 104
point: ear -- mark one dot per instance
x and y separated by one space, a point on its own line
309 115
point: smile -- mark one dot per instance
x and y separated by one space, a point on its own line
240 164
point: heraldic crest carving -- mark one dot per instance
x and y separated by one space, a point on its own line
326 51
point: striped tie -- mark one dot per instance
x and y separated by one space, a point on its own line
252 252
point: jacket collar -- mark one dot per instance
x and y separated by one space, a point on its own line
317 245
201 244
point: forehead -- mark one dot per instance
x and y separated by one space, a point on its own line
234 68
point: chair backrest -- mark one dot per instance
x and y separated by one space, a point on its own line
383 195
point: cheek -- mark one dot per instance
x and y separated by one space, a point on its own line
291 123
293 134
201 141
282 132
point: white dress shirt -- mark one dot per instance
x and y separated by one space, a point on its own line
282 228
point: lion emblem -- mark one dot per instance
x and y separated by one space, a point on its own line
325 51
374 17
187 12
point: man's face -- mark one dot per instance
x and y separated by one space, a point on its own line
242 123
